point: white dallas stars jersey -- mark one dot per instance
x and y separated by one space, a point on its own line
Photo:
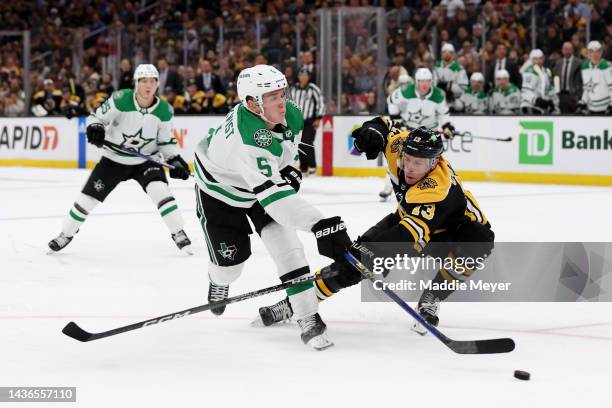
239 163
597 85
430 110
147 131
537 83
452 72
505 102
472 102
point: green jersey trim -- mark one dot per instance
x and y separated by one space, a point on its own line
254 132
124 100
221 190
275 197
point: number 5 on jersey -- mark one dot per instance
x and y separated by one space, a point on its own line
264 166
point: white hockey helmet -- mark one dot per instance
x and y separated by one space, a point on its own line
477 76
423 74
448 47
259 80
536 53
594 46
502 74
146 71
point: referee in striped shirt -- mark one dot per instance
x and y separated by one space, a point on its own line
307 96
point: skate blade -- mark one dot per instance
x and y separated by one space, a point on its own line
187 250
320 342
51 252
418 328
257 322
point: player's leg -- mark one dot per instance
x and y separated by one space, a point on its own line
102 180
470 240
226 230
287 252
387 190
153 181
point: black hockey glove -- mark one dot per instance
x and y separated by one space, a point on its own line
544 105
181 168
582 107
292 176
95 134
448 130
332 238
370 138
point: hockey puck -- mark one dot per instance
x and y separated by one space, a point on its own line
522 375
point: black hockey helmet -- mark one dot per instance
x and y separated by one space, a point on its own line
423 142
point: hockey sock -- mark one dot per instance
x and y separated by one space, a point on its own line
287 252
77 215
302 297
224 275
166 204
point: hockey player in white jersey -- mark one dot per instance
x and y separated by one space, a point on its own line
537 92
506 97
134 120
418 104
449 75
474 99
597 82
243 172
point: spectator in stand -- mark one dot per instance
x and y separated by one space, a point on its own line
167 76
11 105
207 81
47 101
126 74
570 79
396 76
308 64
500 62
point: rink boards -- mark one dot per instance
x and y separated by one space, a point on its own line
543 149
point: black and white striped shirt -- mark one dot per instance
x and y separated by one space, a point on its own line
309 100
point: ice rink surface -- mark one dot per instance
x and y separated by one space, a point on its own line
122 267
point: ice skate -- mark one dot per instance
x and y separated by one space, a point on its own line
428 308
314 332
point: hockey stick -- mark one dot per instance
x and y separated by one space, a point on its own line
496 139
138 154
76 332
491 346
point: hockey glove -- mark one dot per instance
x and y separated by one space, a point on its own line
332 238
95 134
370 138
292 176
542 104
448 130
181 168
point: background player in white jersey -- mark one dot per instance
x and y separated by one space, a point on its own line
449 75
506 97
418 104
537 92
243 172
597 79
137 120
474 99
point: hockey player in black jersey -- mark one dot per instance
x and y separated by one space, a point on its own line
433 207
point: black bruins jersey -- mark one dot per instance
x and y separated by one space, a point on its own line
436 203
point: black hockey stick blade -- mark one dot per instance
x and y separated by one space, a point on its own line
76 332
73 330
490 346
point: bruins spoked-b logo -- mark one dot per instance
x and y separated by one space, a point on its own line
426 183
263 138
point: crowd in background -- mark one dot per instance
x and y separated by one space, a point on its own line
206 84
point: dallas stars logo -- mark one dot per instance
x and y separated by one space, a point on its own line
135 141
590 86
227 252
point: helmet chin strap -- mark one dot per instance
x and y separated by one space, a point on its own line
262 114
